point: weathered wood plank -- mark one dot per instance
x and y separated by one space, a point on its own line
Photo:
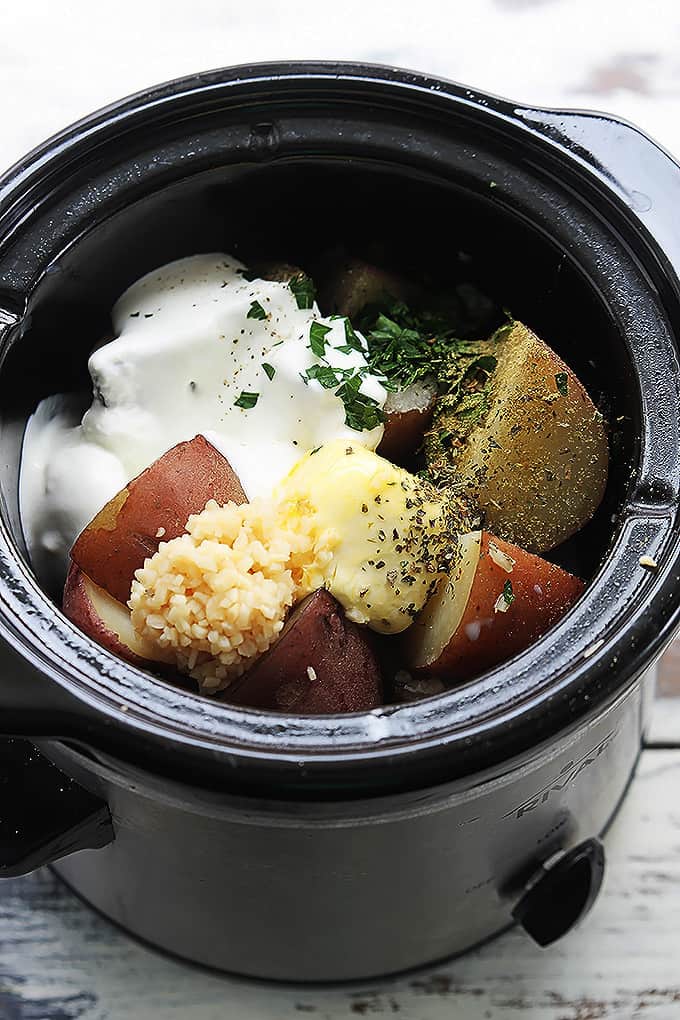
59 961
665 723
669 672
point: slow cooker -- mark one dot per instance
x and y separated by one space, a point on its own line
337 847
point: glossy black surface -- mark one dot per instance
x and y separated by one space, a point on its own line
421 164
563 894
44 814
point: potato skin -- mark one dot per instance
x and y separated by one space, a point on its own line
537 465
405 427
79 608
161 499
351 284
278 272
321 663
484 637
404 431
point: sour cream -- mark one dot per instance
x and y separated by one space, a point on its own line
199 349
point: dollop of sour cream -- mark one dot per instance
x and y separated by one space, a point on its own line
199 349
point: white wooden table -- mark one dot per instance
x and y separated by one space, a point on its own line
58 61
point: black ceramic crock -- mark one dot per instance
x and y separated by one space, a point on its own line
316 848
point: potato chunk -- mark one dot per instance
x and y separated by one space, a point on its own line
152 508
537 463
321 662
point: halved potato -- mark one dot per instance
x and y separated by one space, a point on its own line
351 284
408 414
152 508
278 272
537 463
320 663
107 621
499 600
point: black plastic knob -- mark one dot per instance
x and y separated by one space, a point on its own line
562 893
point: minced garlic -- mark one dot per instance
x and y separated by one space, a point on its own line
218 595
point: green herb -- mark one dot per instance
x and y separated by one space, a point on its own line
508 594
362 413
562 383
317 341
303 288
326 375
246 400
401 354
256 311
269 369
352 341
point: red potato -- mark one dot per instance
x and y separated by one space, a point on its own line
408 415
151 509
107 621
352 284
321 663
469 626
278 272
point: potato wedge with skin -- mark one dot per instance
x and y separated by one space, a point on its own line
469 626
537 464
352 284
107 621
278 272
320 663
152 508
408 414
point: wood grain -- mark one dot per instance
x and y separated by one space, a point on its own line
669 672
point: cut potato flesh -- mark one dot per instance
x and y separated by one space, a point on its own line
279 272
106 621
354 284
441 617
537 465
499 601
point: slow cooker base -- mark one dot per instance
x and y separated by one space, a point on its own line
331 893
255 975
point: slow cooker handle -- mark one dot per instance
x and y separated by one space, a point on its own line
44 815
624 158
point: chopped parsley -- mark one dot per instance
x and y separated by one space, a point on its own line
352 341
325 375
461 406
246 400
405 346
269 369
361 412
403 351
304 290
256 311
562 383
508 593
317 338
